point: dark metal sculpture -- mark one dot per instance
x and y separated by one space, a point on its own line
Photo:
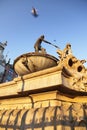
38 46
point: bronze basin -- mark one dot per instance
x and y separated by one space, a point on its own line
32 62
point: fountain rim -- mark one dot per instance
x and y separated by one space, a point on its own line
35 54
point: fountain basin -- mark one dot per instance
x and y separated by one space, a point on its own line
32 62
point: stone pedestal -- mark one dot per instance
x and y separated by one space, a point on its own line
43 100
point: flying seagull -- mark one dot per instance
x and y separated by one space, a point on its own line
34 12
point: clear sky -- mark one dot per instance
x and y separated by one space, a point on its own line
60 21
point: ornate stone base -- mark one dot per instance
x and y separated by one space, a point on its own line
49 110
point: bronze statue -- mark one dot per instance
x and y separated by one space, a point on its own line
37 45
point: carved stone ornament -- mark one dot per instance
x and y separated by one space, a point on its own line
74 69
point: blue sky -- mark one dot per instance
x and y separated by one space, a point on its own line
60 21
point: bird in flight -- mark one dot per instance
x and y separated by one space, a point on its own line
34 12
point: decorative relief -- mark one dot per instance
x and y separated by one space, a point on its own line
70 115
73 69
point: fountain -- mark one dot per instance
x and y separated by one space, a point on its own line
34 61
